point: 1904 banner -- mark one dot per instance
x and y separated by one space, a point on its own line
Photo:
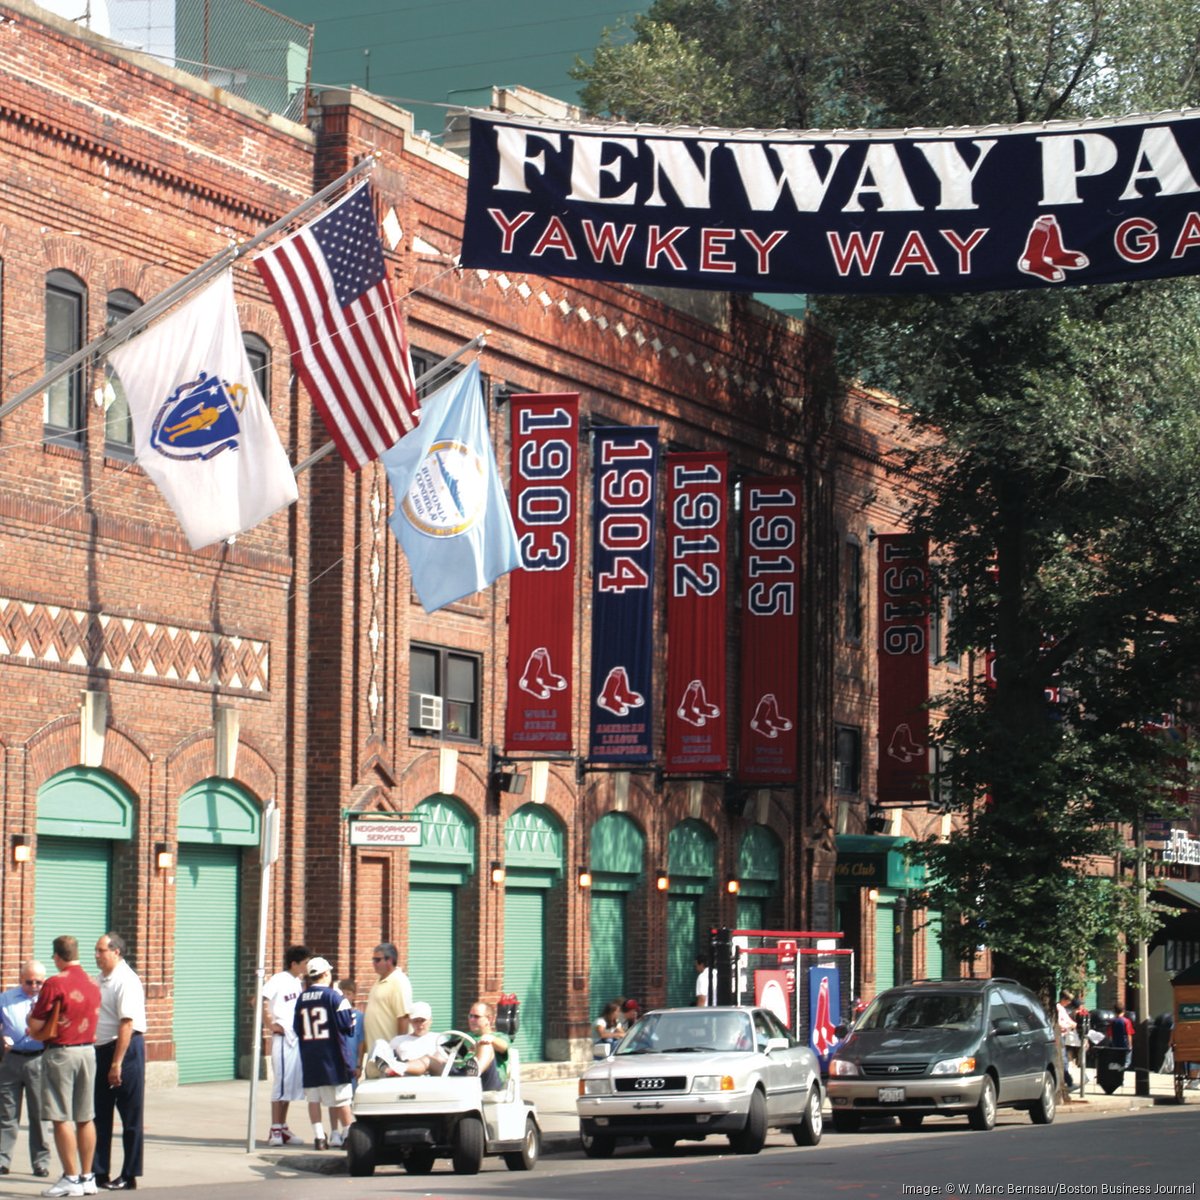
917 210
541 608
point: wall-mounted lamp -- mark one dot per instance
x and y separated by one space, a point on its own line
877 819
663 881
872 894
498 873
21 849
733 886
164 858
508 781
585 879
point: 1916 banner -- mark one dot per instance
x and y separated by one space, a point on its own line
696 597
625 462
541 610
771 533
903 776
918 210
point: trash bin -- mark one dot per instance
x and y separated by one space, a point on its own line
1110 1067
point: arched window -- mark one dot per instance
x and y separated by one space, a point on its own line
259 354
66 325
118 425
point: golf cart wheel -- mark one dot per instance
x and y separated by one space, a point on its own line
598 1145
527 1157
420 1162
467 1154
360 1149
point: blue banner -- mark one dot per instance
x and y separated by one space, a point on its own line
921 210
624 473
824 1005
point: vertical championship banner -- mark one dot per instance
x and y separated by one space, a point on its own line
903 595
767 736
541 607
696 723
625 462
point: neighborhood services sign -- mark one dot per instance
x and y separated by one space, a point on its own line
919 210
385 834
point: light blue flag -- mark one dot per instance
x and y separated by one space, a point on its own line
452 516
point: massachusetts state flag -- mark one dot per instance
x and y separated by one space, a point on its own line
330 285
452 516
201 429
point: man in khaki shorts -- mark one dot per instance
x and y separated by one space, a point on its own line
64 1018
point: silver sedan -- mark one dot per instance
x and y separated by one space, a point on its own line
686 1073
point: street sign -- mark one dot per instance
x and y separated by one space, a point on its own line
385 833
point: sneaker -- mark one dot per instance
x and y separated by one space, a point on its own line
321 1144
89 1185
289 1138
66 1186
276 1138
337 1138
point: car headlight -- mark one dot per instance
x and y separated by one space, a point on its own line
954 1066
712 1083
843 1066
599 1085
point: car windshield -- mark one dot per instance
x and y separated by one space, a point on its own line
923 1010
689 1031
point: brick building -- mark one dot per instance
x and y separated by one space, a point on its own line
155 701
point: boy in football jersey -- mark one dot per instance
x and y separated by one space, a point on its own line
324 1020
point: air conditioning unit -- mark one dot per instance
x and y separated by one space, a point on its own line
425 712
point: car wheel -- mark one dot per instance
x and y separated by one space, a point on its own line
598 1145
753 1135
526 1158
467 1154
911 1121
419 1162
847 1122
983 1115
661 1143
808 1132
1042 1110
360 1149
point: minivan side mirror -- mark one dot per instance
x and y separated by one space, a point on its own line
841 1030
1005 1026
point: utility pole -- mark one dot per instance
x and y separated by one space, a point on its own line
1141 1066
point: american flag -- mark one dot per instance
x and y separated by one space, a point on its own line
330 285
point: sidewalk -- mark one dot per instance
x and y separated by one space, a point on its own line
196 1134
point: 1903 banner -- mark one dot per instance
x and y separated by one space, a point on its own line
696 720
903 774
541 609
771 541
625 463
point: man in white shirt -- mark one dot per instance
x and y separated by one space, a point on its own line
280 994
406 1048
120 1082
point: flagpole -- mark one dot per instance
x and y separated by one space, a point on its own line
476 343
159 304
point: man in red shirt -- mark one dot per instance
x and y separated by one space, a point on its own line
64 1018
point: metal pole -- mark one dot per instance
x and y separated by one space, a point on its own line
269 853
1141 1039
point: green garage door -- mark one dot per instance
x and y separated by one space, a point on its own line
934 961
606 975
432 953
206 962
683 944
885 941
524 952
71 896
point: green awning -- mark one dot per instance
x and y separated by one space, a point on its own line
875 860
1189 893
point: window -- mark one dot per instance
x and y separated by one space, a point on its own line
118 425
66 320
423 362
852 581
847 758
943 607
942 799
1178 956
259 354
444 693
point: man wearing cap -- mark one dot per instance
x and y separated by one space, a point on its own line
280 994
410 1051
323 1022
21 1073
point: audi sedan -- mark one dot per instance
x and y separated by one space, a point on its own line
686 1073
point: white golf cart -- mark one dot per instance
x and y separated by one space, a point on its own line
413 1120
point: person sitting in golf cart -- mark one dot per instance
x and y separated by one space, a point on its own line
488 1059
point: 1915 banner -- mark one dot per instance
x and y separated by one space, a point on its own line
541 609
918 210
625 463
696 721
903 592
771 533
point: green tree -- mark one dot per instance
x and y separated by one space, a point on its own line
1062 492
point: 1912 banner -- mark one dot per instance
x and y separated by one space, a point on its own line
625 463
918 210
771 533
903 775
696 525
541 608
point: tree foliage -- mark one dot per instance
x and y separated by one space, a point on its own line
1063 494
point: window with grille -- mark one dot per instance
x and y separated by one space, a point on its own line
443 698
847 758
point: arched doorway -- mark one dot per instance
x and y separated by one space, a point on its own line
691 864
616 861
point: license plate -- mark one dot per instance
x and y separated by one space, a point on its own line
891 1095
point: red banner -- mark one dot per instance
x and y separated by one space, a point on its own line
541 607
771 533
697 500
903 669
